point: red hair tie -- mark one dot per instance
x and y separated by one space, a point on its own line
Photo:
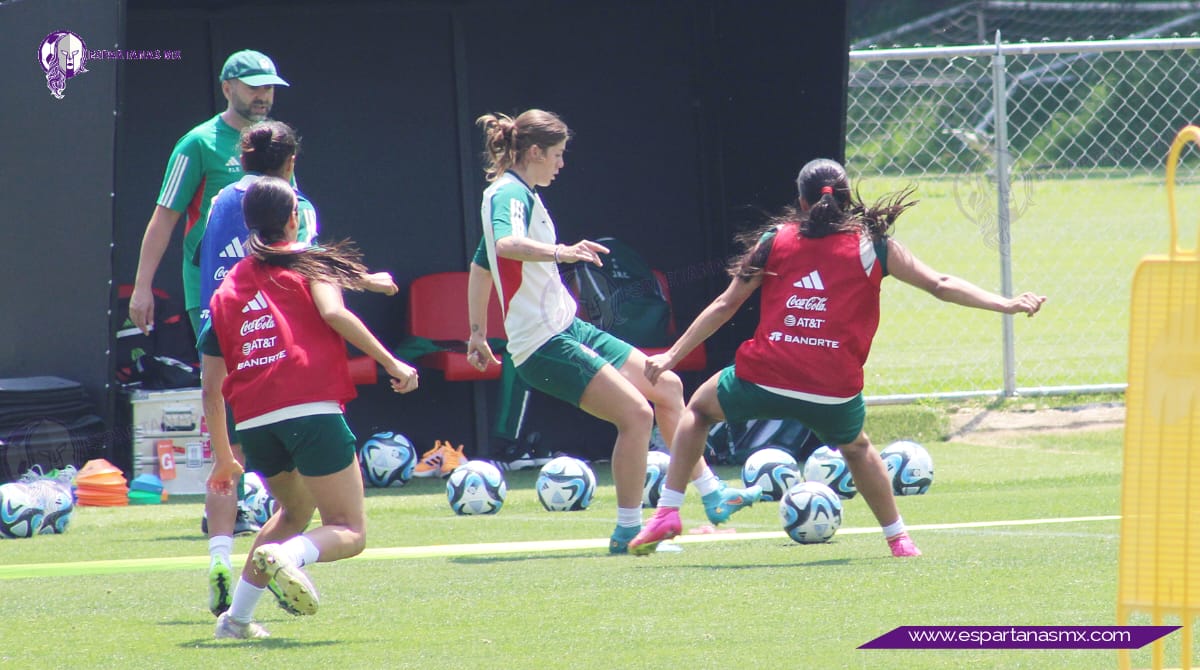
826 190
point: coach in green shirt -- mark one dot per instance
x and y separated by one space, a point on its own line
204 161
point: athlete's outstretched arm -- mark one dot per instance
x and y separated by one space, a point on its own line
526 249
328 299
906 267
713 317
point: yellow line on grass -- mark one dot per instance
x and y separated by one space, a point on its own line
27 570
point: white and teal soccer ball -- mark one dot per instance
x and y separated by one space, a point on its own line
57 503
387 459
476 487
909 467
261 506
656 476
811 512
775 470
827 464
566 484
20 511
258 500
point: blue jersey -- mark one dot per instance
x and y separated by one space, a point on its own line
224 241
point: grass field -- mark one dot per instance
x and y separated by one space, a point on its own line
125 587
1076 241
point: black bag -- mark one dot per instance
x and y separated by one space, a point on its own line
731 443
171 337
623 297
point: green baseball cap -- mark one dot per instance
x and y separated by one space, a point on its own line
253 68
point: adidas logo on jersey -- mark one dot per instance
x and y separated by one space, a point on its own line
811 280
234 162
234 249
256 304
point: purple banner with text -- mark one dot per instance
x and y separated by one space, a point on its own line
1019 637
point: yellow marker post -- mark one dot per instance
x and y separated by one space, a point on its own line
1159 559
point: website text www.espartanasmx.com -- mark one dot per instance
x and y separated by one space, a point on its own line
1019 637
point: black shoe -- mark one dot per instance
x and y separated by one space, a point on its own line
242 525
524 454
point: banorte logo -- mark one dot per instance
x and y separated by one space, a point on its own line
62 56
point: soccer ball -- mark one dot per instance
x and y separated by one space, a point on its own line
476 487
258 501
261 506
386 459
827 464
775 470
909 466
57 503
252 483
811 512
20 511
566 484
656 476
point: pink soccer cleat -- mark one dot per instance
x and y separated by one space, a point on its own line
664 525
902 546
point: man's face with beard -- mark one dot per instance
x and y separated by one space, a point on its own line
252 103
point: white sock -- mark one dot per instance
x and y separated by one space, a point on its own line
707 482
220 546
245 598
630 517
302 550
893 529
670 498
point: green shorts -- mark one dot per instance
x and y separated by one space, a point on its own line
565 365
194 318
317 445
835 424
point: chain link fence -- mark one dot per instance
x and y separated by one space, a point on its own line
1075 135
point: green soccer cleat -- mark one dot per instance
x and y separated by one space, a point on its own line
220 586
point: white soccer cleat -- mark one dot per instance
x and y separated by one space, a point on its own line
229 629
293 584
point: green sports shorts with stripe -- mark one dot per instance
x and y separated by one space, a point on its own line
835 424
565 365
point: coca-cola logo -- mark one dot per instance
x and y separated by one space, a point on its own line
814 303
263 322
220 273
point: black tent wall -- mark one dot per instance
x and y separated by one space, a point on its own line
691 118
56 199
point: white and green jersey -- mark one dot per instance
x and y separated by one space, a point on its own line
536 304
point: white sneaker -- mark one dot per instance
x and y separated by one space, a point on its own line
229 629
